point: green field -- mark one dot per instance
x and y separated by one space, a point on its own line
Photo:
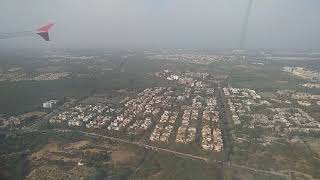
266 78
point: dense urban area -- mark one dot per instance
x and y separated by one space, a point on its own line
133 114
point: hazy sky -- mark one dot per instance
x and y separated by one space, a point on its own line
163 23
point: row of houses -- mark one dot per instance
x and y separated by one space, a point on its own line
211 138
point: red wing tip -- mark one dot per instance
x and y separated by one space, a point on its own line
45 28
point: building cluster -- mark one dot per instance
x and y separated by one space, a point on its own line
50 76
20 120
137 110
303 73
294 121
190 79
120 122
187 131
67 58
49 104
276 122
240 102
210 113
311 85
211 138
10 122
169 116
189 116
302 98
20 76
12 76
43 77
194 58
95 116
161 133
203 110
305 99
159 110
305 96
186 134
141 125
164 126
147 106
304 103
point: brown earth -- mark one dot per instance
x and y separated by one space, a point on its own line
122 156
76 145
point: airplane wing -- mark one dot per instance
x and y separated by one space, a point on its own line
43 31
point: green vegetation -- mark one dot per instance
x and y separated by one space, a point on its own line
266 78
163 166
19 97
134 74
278 156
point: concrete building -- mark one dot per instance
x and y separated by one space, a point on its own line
49 104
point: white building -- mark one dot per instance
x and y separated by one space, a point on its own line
49 104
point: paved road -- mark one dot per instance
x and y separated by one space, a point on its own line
183 155
155 148
137 143
35 127
297 172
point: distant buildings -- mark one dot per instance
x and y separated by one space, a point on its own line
311 85
303 73
187 57
304 103
279 122
49 104
12 121
305 96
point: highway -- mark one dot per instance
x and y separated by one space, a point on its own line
155 148
180 154
193 157
35 127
